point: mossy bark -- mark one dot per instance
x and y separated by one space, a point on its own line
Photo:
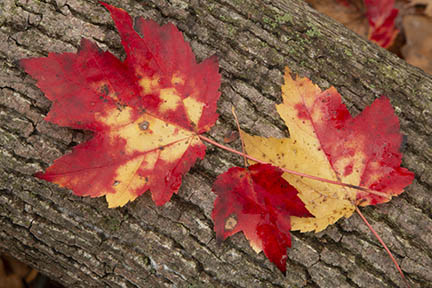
81 243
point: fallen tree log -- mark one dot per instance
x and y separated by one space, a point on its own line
81 243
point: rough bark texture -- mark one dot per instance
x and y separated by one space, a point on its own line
81 243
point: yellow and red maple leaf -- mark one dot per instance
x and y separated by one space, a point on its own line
146 112
327 142
259 202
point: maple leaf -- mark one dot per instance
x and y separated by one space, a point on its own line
259 202
381 16
327 142
146 112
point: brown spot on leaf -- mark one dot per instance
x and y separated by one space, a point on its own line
231 222
144 125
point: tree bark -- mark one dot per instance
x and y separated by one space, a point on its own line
81 243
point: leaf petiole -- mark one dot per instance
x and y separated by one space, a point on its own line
240 135
384 245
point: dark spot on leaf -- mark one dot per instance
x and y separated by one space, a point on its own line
357 187
116 183
105 89
144 125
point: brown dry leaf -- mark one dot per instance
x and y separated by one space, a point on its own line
428 4
418 49
352 16
12 272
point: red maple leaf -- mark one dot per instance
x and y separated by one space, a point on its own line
381 16
259 202
146 112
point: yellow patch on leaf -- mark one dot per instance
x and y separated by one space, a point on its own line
194 109
170 99
149 85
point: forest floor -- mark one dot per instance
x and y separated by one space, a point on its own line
413 41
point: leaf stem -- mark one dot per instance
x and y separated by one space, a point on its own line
384 245
240 135
364 189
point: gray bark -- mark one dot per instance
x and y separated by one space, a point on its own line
81 243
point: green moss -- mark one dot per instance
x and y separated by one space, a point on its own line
313 32
372 61
279 19
231 30
282 19
211 7
296 51
112 223
238 2
269 21
331 75
389 72
348 52
291 50
262 44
